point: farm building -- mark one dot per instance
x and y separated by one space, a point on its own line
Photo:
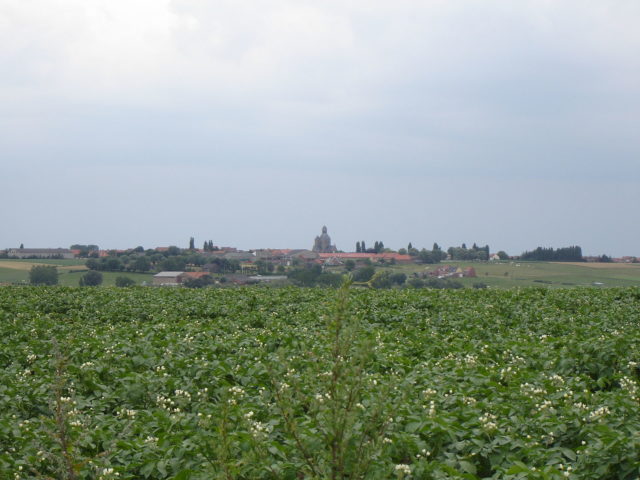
374 257
193 275
176 278
40 253
168 278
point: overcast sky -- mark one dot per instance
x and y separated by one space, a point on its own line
254 123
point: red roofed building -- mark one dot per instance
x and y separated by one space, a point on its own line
193 275
387 257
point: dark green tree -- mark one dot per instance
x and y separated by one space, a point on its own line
141 264
415 282
381 280
364 274
192 243
174 264
264 267
306 276
437 253
92 278
125 282
92 264
43 275
358 248
328 279
114 264
201 282
426 256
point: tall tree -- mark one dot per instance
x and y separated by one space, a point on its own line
192 243
358 249
363 247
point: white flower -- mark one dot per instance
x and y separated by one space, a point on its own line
403 468
488 421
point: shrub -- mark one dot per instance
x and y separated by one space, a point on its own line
398 278
91 279
201 282
364 274
125 282
43 275
381 280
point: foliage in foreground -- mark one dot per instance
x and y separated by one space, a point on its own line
310 383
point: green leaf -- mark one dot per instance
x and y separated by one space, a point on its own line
570 454
183 475
468 467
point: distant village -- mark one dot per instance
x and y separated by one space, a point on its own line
176 266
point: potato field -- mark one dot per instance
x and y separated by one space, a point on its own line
292 383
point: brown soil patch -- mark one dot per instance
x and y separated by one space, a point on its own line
603 265
18 265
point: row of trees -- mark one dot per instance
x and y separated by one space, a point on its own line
310 276
48 275
566 254
152 260
209 247
473 253
378 247
367 275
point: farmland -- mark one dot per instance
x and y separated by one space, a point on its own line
69 272
493 274
294 383
551 274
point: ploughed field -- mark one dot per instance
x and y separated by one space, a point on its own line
310 383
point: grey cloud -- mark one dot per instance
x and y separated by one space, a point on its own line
384 110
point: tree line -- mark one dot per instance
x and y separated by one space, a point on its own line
566 254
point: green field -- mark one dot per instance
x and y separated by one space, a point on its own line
69 272
296 383
551 274
495 275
